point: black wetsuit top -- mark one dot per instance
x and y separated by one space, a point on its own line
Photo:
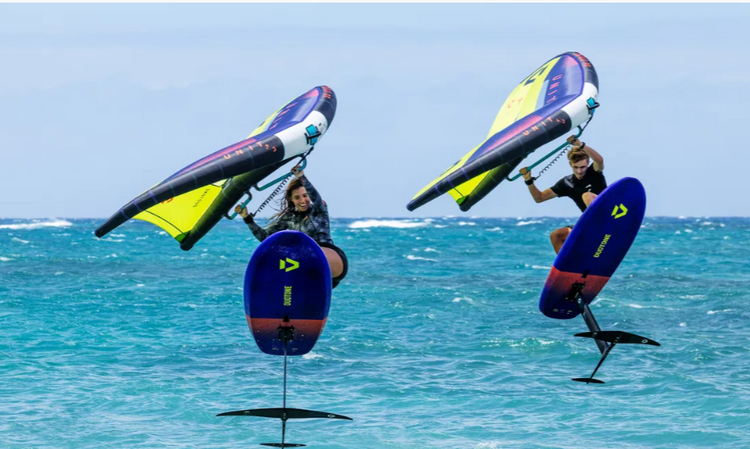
593 181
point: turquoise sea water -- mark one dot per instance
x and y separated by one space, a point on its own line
434 340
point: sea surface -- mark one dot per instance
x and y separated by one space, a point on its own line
434 340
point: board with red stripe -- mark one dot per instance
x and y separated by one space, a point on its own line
287 284
594 249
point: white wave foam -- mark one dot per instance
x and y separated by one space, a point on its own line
5 259
711 312
16 239
410 257
466 223
431 250
469 300
541 267
38 224
495 230
524 223
360 224
441 226
489 445
311 356
693 297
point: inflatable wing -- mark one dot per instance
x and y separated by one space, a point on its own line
191 201
544 106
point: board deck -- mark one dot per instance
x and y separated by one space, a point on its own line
595 248
287 284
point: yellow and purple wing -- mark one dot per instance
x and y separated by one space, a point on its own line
188 202
544 106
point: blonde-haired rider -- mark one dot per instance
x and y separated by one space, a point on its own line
583 186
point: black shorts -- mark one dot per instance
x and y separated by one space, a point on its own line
341 254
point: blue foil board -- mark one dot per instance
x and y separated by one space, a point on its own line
595 248
287 283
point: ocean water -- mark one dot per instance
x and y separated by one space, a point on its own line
434 340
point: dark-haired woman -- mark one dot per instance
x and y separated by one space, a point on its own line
303 210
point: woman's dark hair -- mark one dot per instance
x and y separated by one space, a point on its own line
287 205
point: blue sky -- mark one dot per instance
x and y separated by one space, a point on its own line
100 101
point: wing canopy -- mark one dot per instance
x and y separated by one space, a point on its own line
545 105
182 203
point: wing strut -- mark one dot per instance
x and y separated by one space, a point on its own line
281 180
591 105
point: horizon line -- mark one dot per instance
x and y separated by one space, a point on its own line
515 217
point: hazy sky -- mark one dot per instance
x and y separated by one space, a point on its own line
98 102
